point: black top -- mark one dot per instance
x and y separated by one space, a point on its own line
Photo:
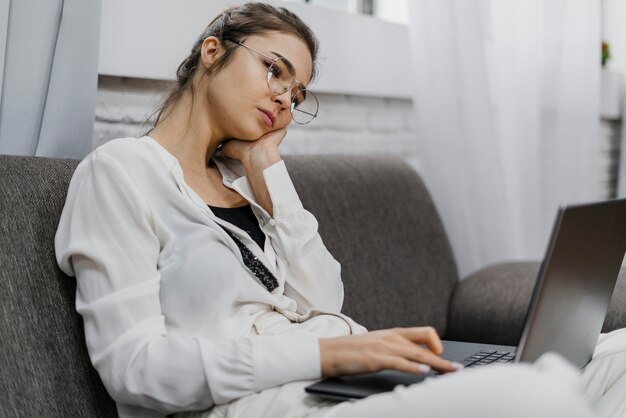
244 218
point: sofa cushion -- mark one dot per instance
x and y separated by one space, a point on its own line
377 218
45 367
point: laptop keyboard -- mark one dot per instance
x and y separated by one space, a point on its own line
485 357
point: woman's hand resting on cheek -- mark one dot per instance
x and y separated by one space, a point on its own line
406 349
256 155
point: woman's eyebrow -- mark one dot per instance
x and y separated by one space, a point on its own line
281 56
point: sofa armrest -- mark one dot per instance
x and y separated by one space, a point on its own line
616 317
490 305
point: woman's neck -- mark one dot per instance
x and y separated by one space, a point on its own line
186 136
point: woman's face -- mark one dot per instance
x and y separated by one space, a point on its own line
238 97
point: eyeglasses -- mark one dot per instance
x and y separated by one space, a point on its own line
281 77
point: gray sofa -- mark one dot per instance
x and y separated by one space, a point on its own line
375 216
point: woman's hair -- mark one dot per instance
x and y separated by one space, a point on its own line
237 23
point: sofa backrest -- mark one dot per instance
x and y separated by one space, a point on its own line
375 216
45 368
378 220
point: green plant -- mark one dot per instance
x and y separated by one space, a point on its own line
606 52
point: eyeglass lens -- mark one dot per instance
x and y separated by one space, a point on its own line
280 78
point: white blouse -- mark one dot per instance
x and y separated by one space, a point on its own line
174 321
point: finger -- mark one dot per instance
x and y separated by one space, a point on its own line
420 355
413 350
423 335
403 365
232 148
275 137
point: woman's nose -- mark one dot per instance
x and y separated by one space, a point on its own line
284 99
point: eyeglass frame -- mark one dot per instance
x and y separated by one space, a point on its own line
270 74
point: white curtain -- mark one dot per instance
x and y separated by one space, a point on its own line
506 97
48 76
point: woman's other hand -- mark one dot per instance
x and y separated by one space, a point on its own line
406 349
256 156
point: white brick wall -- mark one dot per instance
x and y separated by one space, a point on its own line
123 105
346 124
611 130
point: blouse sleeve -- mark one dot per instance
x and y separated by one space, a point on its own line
106 238
314 276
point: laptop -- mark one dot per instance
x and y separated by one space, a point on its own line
567 310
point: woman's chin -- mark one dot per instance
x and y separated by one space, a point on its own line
251 132
242 136
248 133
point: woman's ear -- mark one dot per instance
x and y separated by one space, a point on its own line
210 51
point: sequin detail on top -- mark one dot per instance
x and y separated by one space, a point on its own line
253 264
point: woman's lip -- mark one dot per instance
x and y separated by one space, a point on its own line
267 118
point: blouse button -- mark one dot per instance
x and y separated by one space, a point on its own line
272 222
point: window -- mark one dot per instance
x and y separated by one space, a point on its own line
394 11
351 6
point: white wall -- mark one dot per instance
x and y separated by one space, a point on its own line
346 124
364 81
359 55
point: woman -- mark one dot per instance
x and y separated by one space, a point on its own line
202 281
